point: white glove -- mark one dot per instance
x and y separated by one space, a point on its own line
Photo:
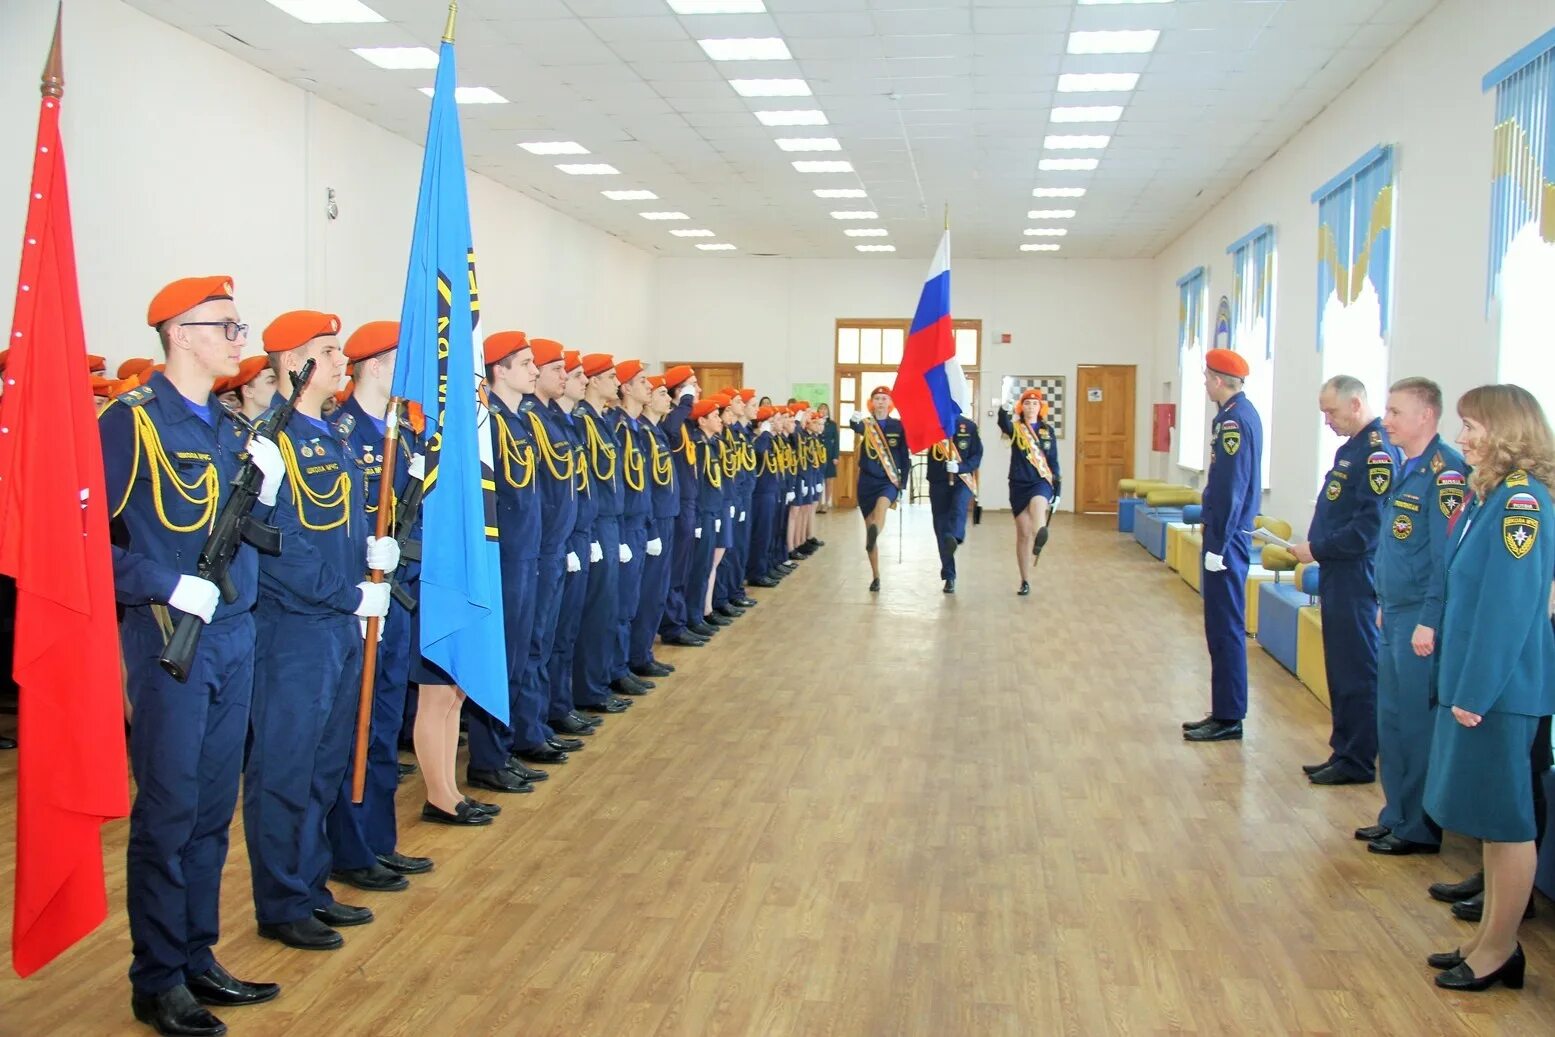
742 516
1214 563
574 563
383 554
596 553
375 600
952 467
267 458
195 596
362 625
699 532
655 547
625 554
718 525
418 466
789 499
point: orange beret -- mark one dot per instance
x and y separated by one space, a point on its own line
573 358
880 390
597 364
503 344
677 374
657 381
626 370
95 363
248 370
298 327
1030 394
184 295
373 338
546 351
764 413
801 406
702 408
107 386
133 366
747 394
1224 361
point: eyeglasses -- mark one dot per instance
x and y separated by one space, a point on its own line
231 328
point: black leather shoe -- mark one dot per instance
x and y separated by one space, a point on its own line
337 915
516 766
702 630
217 986
1039 543
1204 721
1452 892
743 602
1333 774
405 865
585 719
1025 589
813 542
874 585
1473 909
1371 832
950 587
7 742
176 1012
541 754
489 809
407 769
787 567
569 726
764 581
1445 960
1216 731
685 640
871 536
1391 845
631 686
496 781
612 705
1461 977
565 745
462 817
654 669
310 934
376 879
713 619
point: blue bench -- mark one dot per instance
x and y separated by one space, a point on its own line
1150 528
1126 508
1279 605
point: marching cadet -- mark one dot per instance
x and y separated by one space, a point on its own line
766 498
363 835
169 455
1035 482
1232 493
255 387
951 465
634 442
678 616
883 467
314 603
1343 539
665 512
709 424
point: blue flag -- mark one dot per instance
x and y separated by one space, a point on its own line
440 367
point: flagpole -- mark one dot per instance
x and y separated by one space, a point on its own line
364 705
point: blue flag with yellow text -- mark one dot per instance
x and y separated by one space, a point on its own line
440 367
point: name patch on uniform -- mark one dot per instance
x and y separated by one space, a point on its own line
1403 525
320 469
1406 505
1450 490
1519 532
1334 489
1379 471
1344 463
193 455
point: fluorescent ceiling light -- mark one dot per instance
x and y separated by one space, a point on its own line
824 166
841 192
1111 82
1046 232
664 216
1075 142
855 215
698 233
795 117
770 87
1058 192
1088 3
809 143
328 12
588 169
554 147
770 48
1060 165
472 95
866 232
1050 214
1040 248
720 246
398 57
629 196
1092 113
717 6
1119 41
875 248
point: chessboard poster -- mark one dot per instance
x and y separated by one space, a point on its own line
1052 387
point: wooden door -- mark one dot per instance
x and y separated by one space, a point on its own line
1103 411
714 376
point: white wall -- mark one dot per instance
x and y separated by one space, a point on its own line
778 316
185 160
1423 97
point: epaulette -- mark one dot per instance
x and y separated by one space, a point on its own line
1516 477
526 405
344 425
137 397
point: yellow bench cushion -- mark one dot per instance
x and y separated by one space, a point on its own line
1172 496
1276 559
1309 652
1138 487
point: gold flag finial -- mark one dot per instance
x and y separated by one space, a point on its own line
947 215
54 68
453 15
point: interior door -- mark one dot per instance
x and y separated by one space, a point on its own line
1104 434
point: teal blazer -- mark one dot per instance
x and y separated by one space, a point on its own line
1497 647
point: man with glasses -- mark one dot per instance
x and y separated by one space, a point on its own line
170 453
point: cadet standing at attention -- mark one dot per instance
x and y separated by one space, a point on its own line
665 510
1233 489
951 464
683 389
634 442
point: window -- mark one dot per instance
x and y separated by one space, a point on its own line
1522 223
868 354
1355 282
1252 324
1192 419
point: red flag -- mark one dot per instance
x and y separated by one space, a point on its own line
54 542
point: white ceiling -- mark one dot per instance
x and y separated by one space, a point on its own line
934 102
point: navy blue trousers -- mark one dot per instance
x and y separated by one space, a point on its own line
634 534
1349 608
653 599
595 651
949 505
307 676
186 751
569 619
1406 691
680 547
492 740
763 516
1225 631
701 563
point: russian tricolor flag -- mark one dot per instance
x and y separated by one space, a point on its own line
931 390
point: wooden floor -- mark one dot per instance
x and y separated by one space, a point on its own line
900 813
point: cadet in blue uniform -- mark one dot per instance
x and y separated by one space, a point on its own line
1411 575
729 598
951 465
681 383
1233 489
363 835
766 497
703 440
1497 675
169 455
1343 540
665 504
1035 482
883 465
314 602
634 442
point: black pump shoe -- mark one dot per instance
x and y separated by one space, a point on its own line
1461 977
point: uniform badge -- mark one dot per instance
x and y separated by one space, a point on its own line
1437 464
1376 438
1519 532
1403 525
1522 502
1517 478
1379 470
1450 490
1230 437
1334 490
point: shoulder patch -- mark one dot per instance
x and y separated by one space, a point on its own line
1518 532
1375 438
1230 437
1517 477
137 397
1379 471
1522 502
1451 488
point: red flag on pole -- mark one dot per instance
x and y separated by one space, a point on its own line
54 542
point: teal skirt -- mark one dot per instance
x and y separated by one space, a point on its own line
1479 781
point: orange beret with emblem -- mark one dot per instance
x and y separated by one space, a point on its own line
502 344
546 351
1226 362
373 338
597 364
185 294
297 328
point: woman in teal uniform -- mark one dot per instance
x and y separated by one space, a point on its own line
1497 664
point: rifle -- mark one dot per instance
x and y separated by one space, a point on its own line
234 527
